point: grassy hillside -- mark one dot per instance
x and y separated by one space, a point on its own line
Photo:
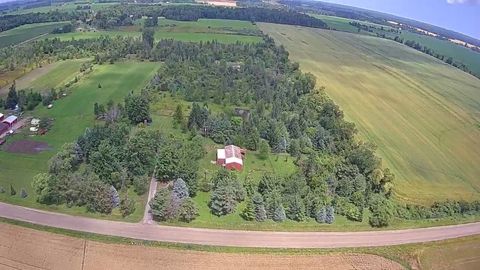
226 31
71 115
27 32
65 7
422 113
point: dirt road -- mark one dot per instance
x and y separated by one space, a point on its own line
147 215
22 248
237 238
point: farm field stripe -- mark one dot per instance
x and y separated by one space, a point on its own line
234 238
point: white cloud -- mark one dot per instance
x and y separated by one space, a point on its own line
470 2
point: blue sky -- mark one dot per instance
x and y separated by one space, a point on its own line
459 15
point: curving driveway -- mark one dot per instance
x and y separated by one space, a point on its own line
237 238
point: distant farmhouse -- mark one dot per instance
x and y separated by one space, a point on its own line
231 157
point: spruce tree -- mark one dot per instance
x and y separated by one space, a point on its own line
23 194
296 209
330 215
260 213
279 214
13 192
320 217
223 201
248 212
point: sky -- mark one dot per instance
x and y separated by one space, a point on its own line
459 15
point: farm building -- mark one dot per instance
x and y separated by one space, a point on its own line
231 157
12 119
2 116
3 128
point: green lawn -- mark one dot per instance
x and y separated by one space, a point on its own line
72 115
59 75
26 32
421 113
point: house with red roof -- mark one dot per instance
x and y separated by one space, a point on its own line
231 157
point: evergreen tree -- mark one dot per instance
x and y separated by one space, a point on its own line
188 210
296 209
180 189
137 109
115 196
260 213
330 215
13 192
178 117
12 97
159 205
321 215
264 149
127 206
248 212
279 214
23 194
223 201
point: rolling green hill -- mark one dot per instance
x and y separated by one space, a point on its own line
422 113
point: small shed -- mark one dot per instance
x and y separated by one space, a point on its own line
11 120
231 157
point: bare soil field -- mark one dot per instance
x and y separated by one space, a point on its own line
26 147
22 248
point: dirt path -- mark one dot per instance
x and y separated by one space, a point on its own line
237 238
147 215
22 248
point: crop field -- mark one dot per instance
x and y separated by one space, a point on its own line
65 7
226 31
421 113
24 248
27 32
71 115
444 47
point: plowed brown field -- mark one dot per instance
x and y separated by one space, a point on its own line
22 248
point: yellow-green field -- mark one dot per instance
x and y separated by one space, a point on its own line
422 114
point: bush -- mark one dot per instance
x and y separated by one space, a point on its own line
140 184
353 213
2 190
382 211
127 207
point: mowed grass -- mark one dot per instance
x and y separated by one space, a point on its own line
72 115
421 113
225 31
59 73
27 32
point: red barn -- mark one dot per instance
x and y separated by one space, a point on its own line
3 128
231 157
11 120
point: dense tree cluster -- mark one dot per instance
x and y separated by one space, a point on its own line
287 113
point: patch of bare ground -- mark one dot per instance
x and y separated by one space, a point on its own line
26 147
29 77
23 248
